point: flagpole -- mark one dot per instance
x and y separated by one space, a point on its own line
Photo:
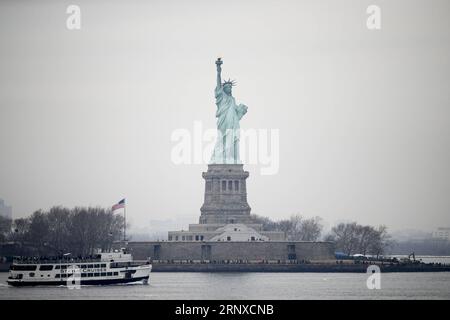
125 222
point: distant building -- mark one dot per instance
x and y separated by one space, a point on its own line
441 234
5 211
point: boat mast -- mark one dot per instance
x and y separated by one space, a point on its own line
124 223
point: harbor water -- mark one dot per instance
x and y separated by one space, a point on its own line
291 286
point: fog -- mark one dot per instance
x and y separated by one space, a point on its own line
86 116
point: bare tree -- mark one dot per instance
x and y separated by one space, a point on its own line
310 229
381 241
296 228
365 236
344 235
39 231
79 231
58 220
284 225
5 228
20 230
267 223
353 238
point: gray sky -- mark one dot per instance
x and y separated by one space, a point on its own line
86 116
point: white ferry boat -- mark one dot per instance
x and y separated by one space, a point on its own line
100 269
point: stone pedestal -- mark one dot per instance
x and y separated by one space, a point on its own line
225 195
225 213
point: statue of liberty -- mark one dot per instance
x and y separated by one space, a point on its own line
228 114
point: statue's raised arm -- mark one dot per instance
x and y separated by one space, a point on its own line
219 70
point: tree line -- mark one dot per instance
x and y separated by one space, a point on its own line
350 238
296 228
82 230
79 231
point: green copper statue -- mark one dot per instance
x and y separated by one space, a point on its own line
228 114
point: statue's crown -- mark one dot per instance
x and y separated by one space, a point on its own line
230 82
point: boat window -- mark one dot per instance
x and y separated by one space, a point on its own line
57 275
119 264
83 266
64 275
64 266
109 274
96 274
31 274
90 275
57 267
116 273
47 267
83 275
103 265
103 274
24 267
96 266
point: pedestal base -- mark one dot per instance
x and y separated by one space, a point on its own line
225 195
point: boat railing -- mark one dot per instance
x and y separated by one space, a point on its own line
55 260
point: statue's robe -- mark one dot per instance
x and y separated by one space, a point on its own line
228 115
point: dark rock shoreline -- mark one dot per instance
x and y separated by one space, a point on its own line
359 268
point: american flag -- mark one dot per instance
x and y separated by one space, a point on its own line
119 205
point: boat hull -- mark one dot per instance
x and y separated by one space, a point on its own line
18 283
